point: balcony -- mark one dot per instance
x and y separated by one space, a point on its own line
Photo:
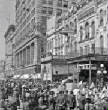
48 58
91 52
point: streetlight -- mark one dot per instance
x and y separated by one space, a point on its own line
101 73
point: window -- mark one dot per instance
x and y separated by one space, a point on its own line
65 4
71 26
101 17
81 33
87 30
59 3
33 25
93 48
50 2
44 1
50 11
24 56
87 50
81 50
32 12
18 59
75 45
59 12
28 55
21 58
93 29
44 10
101 44
32 53
75 26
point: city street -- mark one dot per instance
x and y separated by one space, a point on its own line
53 55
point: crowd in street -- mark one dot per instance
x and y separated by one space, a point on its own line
47 96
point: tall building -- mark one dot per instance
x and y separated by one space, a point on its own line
9 41
2 70
31 16
81 37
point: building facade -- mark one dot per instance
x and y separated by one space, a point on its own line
9 41
30 34
84 29
2 70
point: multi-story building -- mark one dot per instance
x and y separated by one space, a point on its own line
31 16
91 46
2 70
84 29
54 64
9 41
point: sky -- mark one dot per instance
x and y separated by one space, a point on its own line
7 17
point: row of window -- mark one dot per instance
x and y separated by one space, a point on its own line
47 10
50 2
86 30
25 57
23 12
58 42
25 33
86 50
25 21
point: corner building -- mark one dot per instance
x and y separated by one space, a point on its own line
31 16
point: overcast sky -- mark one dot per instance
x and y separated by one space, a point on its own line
7 14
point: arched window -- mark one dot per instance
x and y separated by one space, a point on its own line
75 26
81 33
32 53
101 17
92 29
87 30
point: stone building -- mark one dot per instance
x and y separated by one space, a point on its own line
30 34
82 39
9 42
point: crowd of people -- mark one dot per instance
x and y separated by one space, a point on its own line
27 95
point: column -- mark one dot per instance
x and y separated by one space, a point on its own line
37 51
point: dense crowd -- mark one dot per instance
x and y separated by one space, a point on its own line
48 96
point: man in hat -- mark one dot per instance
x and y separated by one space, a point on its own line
71 101
60 102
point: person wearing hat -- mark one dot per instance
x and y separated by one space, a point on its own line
60 101
71 101
81 101
52 102
66 98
